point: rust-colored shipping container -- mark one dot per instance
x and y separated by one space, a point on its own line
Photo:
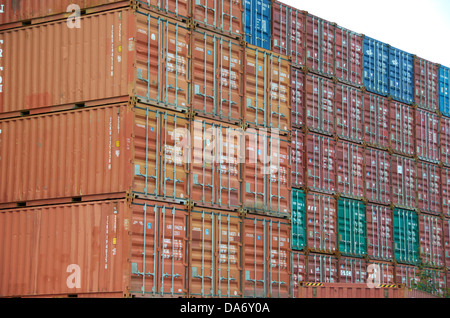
117 248
297 98
298 272
380 232
348 56
266 171
429 187
116 55
349 169
266 257
349 291
322 268
349 113
380 272
214 253
215 173
402 128
321 224
352 270
267 85
92 153
444 140
445 184
431 238
446 235
427 136
217 66
320 153
403 182
298 159
377 176
407 275
319 104
426 84
376 120
288 32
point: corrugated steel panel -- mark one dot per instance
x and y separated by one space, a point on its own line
298 159
217 66
445 185
381 272
446 240
406 237
427 136
258 29
402 139
122 54
322 268
401 75
351 291
407 275
431 237
349 56
376 66
403 182
352 228
444 140
377 176
429 187
298 272
298 220
426 84
350 169
297 98
349 113
352 270
444 90
376 120
380 236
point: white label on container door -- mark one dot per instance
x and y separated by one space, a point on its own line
399 169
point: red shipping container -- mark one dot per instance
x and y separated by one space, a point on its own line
297 98
446 235
427 136
431 240
402 128
298 272
380 234
406 275
349 169
297 159
445 184
319 104
429 187
320 163
444 140
349 113
352 270
116 248
403 181
426 84
322 268
377 176
349 55
321 226
380 273
376 120
266 257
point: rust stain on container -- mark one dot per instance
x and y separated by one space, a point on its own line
427 136
403 182
349 113
103 248
297 98
349 169
349 66
429 187
380 234
402 128
297 159
376 120
377 176
426 84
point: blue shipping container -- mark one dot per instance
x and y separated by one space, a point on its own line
401 76
258 26
444 91
376 66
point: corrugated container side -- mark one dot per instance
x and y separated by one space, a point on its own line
266 257
446 235
298 220
444 140
352 228
407 275
258 14
431 237
350 169
376 66
427 136
349 113
320 45
298 272
297 98
429 188
352 270
350 291
406 237
445 185
377 176
444 90
401 75
298 159
380 235
426 84
349 56
381 272
217 66
215 253
322 268
402 128
376 120
320 152
321 223
403 182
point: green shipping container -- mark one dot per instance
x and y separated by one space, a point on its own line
298 220
352 227
406 236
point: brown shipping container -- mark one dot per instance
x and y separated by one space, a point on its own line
431 240
267 82
298 159
406 275
320 161
349 113
402 128
321 227
377 176
352 270
446 229
115 55
426 84
427 136
320 45
215 173
216 76
429 187
403 181
93 153
349 55
319 104
214 253
266 257
445 184
298 272
349 291
288 32
322 268
380 272
350 169
297 98
380 232
376 120
116 248
444 140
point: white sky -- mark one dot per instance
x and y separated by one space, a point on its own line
417 27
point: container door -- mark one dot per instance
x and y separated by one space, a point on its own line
297 159
376 66
352 227
406 236
376 120
298 220
444 90
258 23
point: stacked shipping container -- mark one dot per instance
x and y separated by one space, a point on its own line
214 149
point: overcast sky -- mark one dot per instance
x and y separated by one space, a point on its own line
417 27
